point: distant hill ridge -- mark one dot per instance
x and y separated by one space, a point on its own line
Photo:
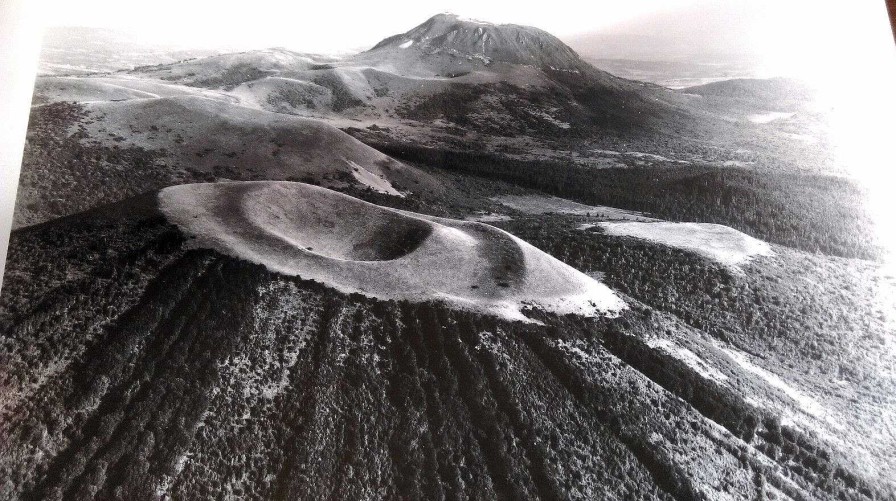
764 89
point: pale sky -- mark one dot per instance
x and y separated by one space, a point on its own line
332 25
327 26
795 37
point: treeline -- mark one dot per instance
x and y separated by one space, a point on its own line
767 310
507 110
230 78
814 213
63 174
806 324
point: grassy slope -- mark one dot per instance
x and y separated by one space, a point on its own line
78 157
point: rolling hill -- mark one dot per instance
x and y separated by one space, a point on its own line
462 85
80 155
274 114
763 92
449 72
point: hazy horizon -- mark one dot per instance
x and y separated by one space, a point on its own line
791 38
795 38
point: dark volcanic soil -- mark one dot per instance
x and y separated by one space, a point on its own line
133 368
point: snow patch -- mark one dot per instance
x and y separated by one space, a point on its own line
691 359
468 19
375 182
488 218
406 44
714 241
647 156
548 118
806 138
639 155
806 403
736 163
764 118
165 483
